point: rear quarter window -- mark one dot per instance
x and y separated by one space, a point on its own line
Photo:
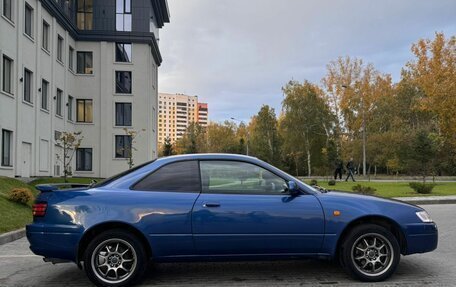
180 176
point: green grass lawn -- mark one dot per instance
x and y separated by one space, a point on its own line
392 189
13 215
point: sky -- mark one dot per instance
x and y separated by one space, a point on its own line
237 55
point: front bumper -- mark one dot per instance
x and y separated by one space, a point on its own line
53 242
421 237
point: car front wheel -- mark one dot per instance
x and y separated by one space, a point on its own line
115 258
370 253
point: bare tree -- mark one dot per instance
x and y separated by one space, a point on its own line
69 142
128 149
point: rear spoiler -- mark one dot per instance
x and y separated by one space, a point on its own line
56 186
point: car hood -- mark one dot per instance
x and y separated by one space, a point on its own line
364 204
351 196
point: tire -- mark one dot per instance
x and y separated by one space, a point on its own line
370 253
118 254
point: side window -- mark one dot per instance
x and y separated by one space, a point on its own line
180 176
239 177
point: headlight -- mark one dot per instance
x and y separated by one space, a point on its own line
424 216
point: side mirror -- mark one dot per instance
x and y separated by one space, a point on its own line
293 188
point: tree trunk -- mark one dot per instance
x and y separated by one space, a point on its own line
327 135
296 165
64 162
309 168
369 173
270 147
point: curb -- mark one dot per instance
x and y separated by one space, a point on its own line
424 201
11 236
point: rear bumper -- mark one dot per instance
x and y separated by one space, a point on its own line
421 238
53 242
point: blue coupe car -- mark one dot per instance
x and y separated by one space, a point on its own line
220 207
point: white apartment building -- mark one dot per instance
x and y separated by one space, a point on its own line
86 66
176 112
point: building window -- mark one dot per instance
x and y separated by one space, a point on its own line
123 15
70 108
28 20
123 146
8 9
84 112
123 52
28 77
84 159
85 15
68 7
45 36
59 48
44 94
57 135
7 137
7 85
84 64
58 103
123 114
123 82
71 58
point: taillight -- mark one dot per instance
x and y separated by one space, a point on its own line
39 209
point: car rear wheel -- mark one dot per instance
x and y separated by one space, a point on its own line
370 253
115 258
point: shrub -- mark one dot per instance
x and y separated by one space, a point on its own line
313 182
331 182
20 195
422 188
364 189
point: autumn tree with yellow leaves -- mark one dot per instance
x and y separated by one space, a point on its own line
434 71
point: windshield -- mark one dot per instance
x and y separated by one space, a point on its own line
123 173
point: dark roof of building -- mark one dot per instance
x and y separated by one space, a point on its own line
161 11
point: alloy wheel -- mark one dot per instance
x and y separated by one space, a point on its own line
372 254
114 260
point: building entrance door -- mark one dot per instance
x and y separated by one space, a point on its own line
26 159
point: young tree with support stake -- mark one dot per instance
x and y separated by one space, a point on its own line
69 142
129 148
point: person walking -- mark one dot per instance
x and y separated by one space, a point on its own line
350 168
339 166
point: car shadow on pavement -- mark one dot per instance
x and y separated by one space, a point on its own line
412 271
278 273
263 273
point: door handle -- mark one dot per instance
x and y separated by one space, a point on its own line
211 204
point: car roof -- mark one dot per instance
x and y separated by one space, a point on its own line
126 181
196 156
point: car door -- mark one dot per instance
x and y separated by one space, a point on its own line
163 202
243 210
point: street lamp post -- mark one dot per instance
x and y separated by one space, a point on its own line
248 136
363 115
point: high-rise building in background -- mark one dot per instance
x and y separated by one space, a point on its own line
78 65
176 112
202 114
